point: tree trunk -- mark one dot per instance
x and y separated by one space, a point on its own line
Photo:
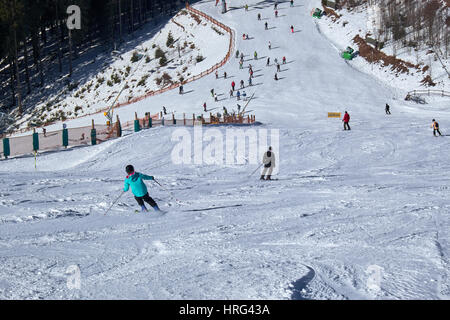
70 53
13 86
18 86
44 35
120 20
140 13
132 15
37 57
60 41
27 70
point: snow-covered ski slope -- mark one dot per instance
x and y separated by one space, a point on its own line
354 215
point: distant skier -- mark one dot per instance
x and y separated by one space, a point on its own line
242 84
435 127
246 7
284 60
164 110
233 85
241 64
225 75
239 108
250 81
266 25
259 16
269 164
212 92
237 54
225 111
238 95
276 77
204 107
217 74
244 95
231 93
275 7
278 67
346 120
268 62
216 99
387 109
276 13
292 3
255 55
292 29
138 187
181 89
270 45
242 56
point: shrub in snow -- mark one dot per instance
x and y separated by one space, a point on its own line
163 61
142 81
159 53
170 40
199 58
136 57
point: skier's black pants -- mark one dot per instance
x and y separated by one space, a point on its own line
147 199
346 126
436 130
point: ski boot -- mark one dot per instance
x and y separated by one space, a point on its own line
144 209
156 208
262 178
268 178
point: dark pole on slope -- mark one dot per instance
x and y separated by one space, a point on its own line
115 202
255 170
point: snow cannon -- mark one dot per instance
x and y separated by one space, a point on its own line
349 53
317 13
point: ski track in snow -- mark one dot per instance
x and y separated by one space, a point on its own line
344 201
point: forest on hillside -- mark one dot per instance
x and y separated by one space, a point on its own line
34 39
412 23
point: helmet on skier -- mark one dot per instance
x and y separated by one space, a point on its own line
129 169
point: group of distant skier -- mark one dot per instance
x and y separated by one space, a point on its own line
135 180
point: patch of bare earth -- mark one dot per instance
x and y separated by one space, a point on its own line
374 55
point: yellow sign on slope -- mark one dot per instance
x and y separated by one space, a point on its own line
334 115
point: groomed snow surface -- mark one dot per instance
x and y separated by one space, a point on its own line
361 214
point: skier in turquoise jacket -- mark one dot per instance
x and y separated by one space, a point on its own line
138 187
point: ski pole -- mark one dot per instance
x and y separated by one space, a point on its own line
115 202
256 170
171 194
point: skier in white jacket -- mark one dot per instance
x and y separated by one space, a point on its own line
269 164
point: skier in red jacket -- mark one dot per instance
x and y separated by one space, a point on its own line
346 120
233 85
